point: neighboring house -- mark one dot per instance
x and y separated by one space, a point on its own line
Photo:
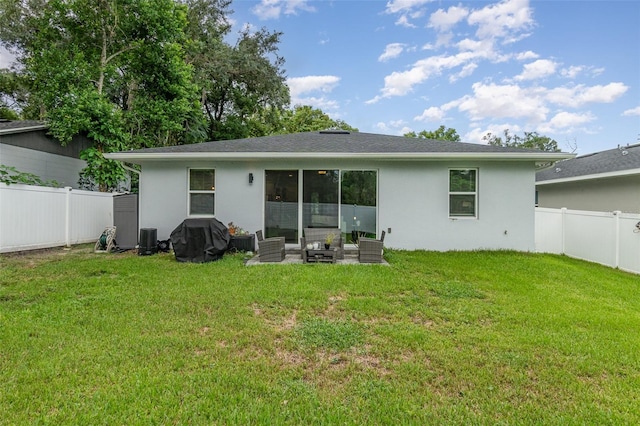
425 194
603 181
26 146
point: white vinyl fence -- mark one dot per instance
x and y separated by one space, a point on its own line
609 238
33 217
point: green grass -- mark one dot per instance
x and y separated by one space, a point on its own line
435 338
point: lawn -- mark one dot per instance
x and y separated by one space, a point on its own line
434 338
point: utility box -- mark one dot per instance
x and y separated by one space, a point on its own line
125 219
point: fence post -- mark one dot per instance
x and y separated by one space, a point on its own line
616 223
67 216
563 212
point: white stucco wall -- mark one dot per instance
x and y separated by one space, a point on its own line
412 200
64 170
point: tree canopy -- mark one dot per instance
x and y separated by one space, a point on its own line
134 74
530 140
442 133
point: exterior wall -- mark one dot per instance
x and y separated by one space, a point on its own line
611 194
412 200
414 204
46 166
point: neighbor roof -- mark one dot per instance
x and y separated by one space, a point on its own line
620 161
334 144
19 126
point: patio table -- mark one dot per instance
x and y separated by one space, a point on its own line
316 256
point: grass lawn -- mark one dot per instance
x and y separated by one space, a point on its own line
435 338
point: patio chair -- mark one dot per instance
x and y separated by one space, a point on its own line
370 250
270 249
312 235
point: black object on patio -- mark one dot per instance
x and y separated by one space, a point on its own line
200 240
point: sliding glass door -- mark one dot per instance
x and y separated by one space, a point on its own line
345 199
320 198
281 204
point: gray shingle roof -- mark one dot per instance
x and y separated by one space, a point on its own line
17 126
332 142
613 160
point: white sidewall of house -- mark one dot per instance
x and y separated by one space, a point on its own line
412 200
48 167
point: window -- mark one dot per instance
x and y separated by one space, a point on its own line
463 193
202 191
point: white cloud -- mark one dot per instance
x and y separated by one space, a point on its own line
272 9
631 112
491 101
392 50
431 114
300 86
580 95
564 120
466 71
328 106
506 20
443 20
312 83
525 56
572 71
538 69
404 6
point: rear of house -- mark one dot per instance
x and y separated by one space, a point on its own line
425 194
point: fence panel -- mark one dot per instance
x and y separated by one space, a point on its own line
548 233
630 242
33 217
609 238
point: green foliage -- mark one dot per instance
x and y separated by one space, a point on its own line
442 133
305 118
10 175
530 140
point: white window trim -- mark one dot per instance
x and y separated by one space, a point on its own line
190 191
474 193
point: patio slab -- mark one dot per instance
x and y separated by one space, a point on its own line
295 259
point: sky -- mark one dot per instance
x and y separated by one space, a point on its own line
569 70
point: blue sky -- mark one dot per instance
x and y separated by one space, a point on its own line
566 69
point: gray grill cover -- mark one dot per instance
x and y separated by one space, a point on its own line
200 240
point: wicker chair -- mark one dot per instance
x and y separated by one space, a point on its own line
312 235
370 250
270 249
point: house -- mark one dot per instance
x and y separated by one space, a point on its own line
26 146
425 194
602 181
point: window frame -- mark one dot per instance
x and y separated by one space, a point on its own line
468 193
200 191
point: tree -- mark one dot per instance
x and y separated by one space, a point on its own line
12 94
305 118
442 133
530 140
239 84
114 70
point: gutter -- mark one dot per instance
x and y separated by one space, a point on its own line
23 129
135 157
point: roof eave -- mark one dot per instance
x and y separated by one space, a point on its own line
619 173
136 157
23 129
